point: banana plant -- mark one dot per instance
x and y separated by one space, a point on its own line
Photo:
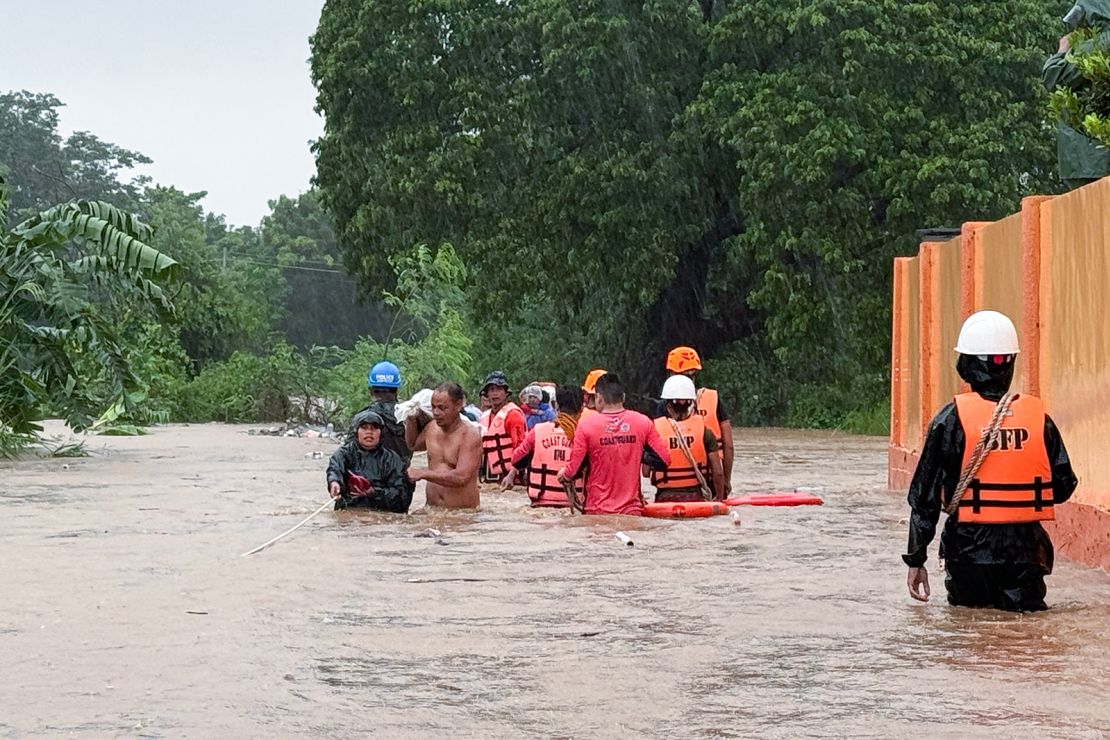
64 274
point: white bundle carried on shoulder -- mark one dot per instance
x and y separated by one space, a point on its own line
422 401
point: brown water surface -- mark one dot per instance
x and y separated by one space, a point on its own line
128 611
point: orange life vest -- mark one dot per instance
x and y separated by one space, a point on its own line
679 472
497 445
1014 484
707 408
549 455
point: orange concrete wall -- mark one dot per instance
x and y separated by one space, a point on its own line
911 427
1048 269
999 277
949 318
1075 335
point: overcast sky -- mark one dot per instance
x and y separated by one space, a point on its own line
216 92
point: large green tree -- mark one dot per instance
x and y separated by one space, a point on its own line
622 177
232 293
321 305
44 168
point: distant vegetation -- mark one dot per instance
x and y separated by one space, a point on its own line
541 187
117 317
621 178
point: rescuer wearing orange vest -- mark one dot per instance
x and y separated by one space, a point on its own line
589 398
685 361
503 428
545 451
692 446
995 550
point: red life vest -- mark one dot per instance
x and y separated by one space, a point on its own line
549 455
679 472
1014 484
497 445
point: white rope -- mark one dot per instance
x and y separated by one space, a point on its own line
291 530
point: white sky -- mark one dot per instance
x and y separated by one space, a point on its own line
216 92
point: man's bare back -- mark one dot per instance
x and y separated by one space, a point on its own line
454 453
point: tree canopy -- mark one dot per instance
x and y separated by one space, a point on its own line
44 169
620 178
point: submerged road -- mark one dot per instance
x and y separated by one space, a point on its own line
128 611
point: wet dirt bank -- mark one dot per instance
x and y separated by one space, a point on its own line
128 611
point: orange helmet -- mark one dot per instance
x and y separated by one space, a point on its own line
681 359
591 379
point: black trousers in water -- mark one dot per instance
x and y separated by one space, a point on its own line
1015 588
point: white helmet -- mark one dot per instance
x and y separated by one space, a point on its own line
679 388
987 333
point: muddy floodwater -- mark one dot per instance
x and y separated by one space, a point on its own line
128 612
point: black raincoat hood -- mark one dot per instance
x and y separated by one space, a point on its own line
985 378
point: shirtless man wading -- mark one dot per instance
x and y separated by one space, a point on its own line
454 451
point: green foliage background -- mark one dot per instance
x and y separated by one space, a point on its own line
621 178
548 186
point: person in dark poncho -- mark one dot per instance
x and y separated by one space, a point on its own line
363 473
995 550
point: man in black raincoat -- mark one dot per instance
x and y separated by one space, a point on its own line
999 565
363 473
1080 158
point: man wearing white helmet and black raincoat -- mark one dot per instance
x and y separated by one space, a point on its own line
995 550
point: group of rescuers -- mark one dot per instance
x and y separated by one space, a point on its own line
996 552
583 444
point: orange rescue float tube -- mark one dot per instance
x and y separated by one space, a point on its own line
685 509
787 498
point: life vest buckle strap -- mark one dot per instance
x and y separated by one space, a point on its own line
1037 484
1001 504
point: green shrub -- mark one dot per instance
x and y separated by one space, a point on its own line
750 381
257 388
442 355
873 421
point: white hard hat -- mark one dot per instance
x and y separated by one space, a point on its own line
679 388
987 333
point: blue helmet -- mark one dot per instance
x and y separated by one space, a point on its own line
384 375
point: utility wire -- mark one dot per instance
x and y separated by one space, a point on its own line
343 275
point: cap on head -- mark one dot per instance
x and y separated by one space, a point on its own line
496 378
384 375
679 388
590 383
683 359
533 392
987 333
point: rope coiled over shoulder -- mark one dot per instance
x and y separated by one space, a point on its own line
989 439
